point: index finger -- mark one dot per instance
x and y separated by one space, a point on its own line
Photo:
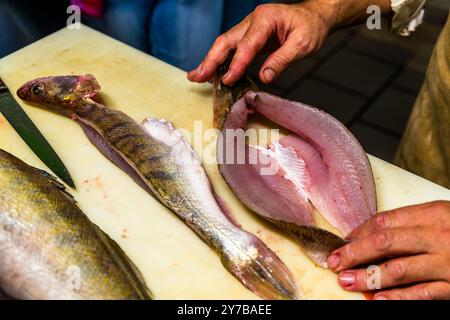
218 54
379 245
253 41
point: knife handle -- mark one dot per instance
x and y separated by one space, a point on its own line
3 88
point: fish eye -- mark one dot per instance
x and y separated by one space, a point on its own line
37 89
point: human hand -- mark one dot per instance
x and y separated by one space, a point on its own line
295 30
413 241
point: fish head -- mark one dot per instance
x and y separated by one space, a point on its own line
224 96
59 93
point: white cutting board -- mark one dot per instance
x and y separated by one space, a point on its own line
174 261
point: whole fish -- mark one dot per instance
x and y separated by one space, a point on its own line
319 166
160 160
48 247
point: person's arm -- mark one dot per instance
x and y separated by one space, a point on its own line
408 15
414 245
296 30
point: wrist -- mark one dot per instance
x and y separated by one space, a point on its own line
341 13
325 9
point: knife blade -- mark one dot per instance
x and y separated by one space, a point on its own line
27 130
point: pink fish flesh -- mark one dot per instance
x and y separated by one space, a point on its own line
319 165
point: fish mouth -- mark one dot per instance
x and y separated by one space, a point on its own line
24 91
21 93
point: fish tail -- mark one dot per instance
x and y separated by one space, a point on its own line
262 272
316 243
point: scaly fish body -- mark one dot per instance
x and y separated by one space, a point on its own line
154 155
225 96
48 247
320 165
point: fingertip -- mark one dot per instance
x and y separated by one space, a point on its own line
334 261
235 71
201 74
267 75
227 79
191 75
347 280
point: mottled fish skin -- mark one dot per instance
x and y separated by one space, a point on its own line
48 247
225 96
146 153
231 111
317 243
185 187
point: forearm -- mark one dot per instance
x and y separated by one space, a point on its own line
341 13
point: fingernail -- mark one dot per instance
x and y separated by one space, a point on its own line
333 261
347 279
379 297
268 74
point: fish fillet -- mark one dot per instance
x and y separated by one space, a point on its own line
319 166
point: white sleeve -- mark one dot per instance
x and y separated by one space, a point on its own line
408 15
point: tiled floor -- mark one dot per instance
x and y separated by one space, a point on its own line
367 79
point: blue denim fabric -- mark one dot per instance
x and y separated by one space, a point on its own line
182 31
125 20
179 32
